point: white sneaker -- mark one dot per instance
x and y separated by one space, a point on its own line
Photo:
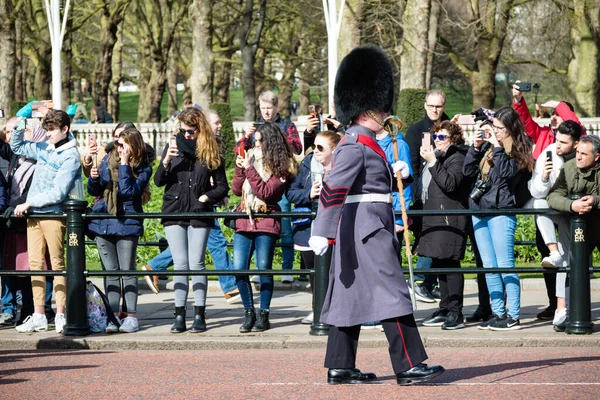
111 327
255 279
33 323
553 260
59 322
560 316
130 324
309 319
287 279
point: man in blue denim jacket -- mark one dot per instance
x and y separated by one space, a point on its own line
56 177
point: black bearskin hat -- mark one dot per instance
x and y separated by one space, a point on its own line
364 82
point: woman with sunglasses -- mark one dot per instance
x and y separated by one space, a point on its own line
499 156
193 173
119 183
443 237
261 178
304 192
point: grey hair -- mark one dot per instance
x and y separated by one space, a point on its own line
435 92
269 97
594 140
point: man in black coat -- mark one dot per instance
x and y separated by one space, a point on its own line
435 104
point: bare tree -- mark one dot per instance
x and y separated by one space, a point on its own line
202 56
485 28
7 55
249 36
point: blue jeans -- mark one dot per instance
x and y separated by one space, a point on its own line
287 253
217 246
244 243
495 238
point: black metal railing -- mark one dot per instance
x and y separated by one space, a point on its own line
76 272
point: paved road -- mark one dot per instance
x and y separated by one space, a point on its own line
490 373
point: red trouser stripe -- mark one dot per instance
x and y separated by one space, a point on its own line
403 342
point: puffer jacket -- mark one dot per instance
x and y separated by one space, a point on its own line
299 195
57 174
129 200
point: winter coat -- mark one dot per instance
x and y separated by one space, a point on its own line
444 236
366 280
573 180
299 195
57 175
270 192
185 182
131 187
542 136
501 175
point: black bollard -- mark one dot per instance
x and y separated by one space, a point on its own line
580 312
317 328
77 324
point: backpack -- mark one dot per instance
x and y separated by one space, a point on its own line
99 312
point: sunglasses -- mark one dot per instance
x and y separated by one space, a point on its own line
439 136
320 147
188 131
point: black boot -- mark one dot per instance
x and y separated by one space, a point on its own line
262 321
179 325
249 321
199 324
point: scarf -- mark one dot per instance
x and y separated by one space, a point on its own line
111 192
426 176
187 147
22 175
250 202
487 161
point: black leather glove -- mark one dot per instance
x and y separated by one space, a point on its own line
7 213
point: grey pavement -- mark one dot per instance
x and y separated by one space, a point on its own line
291 303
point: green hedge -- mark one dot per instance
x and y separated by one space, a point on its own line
224 111
410 106
16 106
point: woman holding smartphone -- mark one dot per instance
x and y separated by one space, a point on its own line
93 154
497 158
261 178
304 192
193 174
119 182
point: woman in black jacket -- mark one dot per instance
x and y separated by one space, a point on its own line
443 237
193 173
498 158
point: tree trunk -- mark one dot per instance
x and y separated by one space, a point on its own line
413 60
108 39
260 74
584 68
43 73
248 49
304 96
285 90
202 58
151 95
117 70
434 20
19 63
483 85
223 78
350 31
7 55
172 85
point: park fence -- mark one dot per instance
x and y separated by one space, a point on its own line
579 268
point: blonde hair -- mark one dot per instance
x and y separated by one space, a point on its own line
207 149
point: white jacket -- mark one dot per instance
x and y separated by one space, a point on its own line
537 188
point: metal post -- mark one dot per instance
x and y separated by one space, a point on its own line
580 312
76 302
317 328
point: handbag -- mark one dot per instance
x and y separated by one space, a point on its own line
228 221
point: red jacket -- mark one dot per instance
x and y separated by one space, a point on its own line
270 192
542 135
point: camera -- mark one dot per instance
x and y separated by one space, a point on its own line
480 189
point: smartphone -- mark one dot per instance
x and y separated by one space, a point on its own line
466 120
92 139
173 141
241 150
524 86
426 140
311 110
257 124
549 155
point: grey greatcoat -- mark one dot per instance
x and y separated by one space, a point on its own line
366 282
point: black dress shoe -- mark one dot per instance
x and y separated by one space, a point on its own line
481 314
419 373
547 314
337 376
